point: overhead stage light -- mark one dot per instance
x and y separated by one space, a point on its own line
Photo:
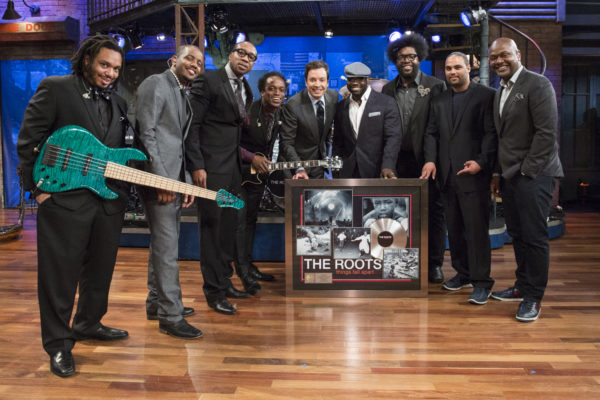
328 34
395 35
408 32
218 21
34 9
241 37
10 12
436 38
121 41
470 17
161 37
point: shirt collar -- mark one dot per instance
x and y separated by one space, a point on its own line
416 82
512 79
314 101
230 73
364 98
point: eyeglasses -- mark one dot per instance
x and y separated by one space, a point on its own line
406 57
244 53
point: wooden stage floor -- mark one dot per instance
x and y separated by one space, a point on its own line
276 347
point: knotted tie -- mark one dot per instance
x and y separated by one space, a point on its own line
320 117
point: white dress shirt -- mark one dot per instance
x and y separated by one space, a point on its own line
355 111
507 88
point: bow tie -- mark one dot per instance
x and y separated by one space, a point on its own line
95 94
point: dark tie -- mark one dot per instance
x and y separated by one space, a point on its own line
240 100
320 117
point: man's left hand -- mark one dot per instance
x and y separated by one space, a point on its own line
188 200
387 173
260 164
471 167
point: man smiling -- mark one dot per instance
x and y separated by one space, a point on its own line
308 119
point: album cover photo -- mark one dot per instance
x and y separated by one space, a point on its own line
401 263
396 208
313 240
327 207
351 243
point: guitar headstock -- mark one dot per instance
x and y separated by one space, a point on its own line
226 199
334 163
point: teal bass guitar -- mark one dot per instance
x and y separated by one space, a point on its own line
73 158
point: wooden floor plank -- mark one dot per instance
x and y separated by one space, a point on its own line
439 347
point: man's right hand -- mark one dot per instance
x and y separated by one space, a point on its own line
260 164
42 197
300 175
199 178
165 196
495 185
428 170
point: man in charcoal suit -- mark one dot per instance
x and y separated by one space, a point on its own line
413 91
163 116
78 232
368 129
220 101
308 120
460 153
526 118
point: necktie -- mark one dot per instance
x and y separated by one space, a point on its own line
320 117
240 100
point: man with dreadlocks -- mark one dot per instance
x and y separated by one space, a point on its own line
77 231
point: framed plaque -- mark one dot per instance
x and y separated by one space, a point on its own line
356 237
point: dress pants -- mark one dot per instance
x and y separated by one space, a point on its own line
75 246
164 289
407 167
468 218
526 206
246 226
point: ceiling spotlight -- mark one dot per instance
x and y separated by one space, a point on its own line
205 42
470 17
241 37
34 9
328 34
161 37
436 38
218 21
121 41
135 38
408 32
395 35
10 12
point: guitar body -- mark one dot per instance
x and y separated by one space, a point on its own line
73 158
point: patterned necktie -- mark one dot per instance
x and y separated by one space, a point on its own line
321 117
240 100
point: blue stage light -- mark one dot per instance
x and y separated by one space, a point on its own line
241 37
395 35
161 37
436 38
464 17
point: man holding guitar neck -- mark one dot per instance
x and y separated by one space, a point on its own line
78 232
162 117
259 149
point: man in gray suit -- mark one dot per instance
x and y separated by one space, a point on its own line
526 118
307 120
162 116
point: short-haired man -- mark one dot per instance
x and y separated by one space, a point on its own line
78 232
260 147
368 130
526 118
413 91
308 119
220 101
163 116
460 154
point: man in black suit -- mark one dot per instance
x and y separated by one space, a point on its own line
526 118
460 153
78 232
260 147
368 129
308 119
220 101
413 91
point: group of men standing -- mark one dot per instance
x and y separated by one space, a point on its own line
207 125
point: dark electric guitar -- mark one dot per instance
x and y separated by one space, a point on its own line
73 158
333 163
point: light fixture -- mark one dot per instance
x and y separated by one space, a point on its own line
395 35
328 34
10 12
241 37
161 37
121 41
205 42
436 38
135 38
34 9
408 32
469 17
217 21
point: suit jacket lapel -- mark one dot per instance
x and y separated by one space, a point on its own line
226 87
91 107
309 114
497 120
365 118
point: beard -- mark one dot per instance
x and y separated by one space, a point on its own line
412 75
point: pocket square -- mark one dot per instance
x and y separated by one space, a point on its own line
374 114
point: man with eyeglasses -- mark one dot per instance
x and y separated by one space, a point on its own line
413 91
220 101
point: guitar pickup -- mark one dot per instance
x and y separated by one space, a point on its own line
51 155
86 165
65 163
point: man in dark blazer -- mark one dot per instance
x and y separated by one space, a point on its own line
526 118
260 147
368 130
220 101
163 116
460 152
308 120
413 91
78 232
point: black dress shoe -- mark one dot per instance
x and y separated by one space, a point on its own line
436 275
260 276
233 293
62 364
250 285
187 311
180 329
102 333
222 306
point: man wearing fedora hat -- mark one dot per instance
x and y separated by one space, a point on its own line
368 131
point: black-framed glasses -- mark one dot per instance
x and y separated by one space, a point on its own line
406 57
244 53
